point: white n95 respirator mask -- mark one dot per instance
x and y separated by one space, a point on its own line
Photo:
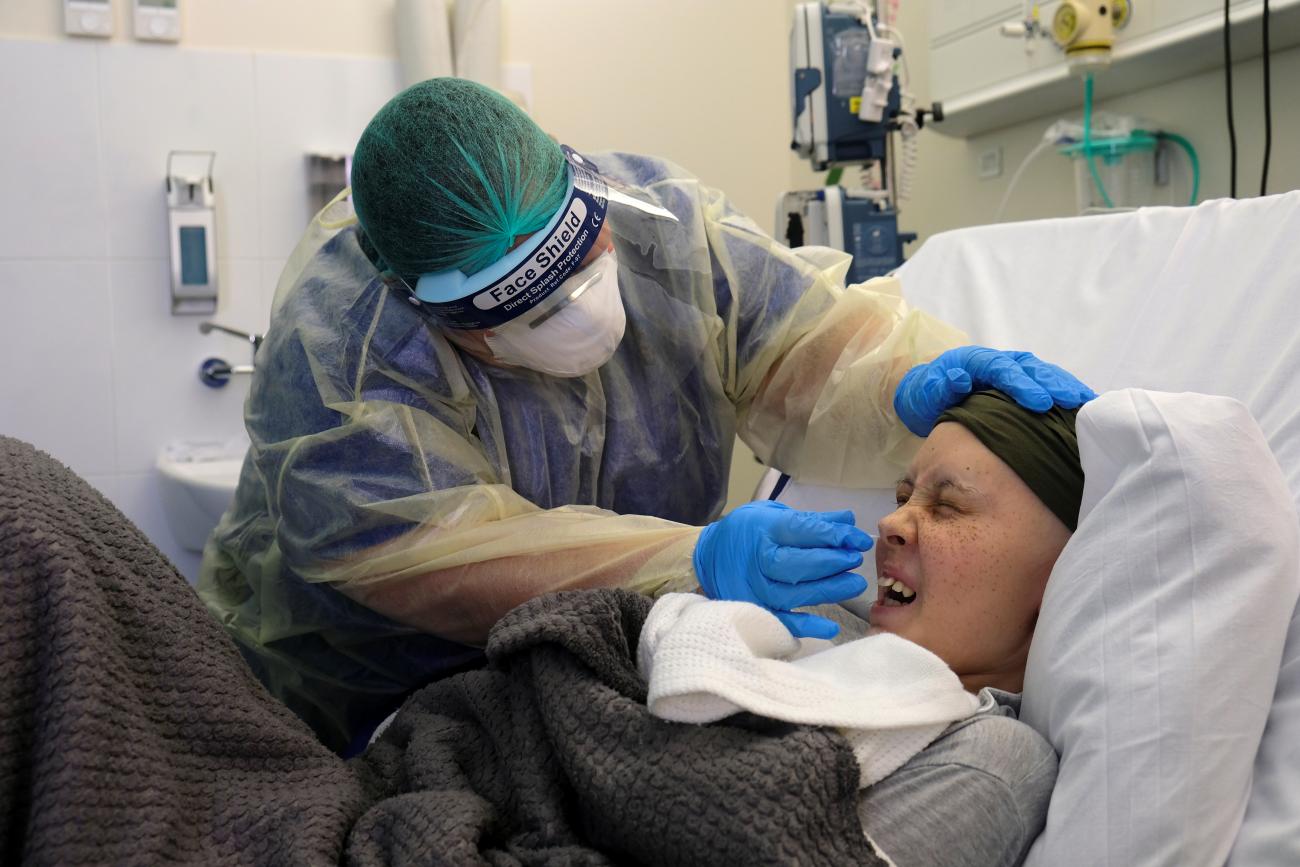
577 333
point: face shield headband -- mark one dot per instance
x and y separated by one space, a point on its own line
528 275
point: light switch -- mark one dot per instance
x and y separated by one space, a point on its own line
158 20
88 18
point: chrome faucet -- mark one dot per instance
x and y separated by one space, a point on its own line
254 339
216 372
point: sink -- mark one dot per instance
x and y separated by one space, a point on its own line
198 480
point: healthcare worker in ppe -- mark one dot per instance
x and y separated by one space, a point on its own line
513 369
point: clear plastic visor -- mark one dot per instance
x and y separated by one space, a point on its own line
573 288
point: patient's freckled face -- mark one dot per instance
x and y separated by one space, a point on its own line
976 545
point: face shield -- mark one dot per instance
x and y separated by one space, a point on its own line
541 306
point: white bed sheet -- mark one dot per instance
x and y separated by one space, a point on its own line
1175 299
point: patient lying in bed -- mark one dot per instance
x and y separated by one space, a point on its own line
983 513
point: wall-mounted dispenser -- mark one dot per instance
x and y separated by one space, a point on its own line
192 229
327 174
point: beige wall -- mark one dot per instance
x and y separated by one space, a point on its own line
702 83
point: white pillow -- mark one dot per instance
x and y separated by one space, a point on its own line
1156 653
1271 831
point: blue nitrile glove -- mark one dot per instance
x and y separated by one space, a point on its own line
929 389
781 559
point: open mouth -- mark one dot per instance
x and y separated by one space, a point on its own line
894 593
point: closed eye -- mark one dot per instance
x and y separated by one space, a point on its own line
903 496
902 493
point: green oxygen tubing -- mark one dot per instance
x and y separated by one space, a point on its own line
1163 136
1087 141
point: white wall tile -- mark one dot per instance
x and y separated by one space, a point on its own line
106 485
158 98
309 104
140 500
156 358
244 303
271 270
55 351
49 152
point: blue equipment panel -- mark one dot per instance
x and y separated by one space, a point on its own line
872 238
849 139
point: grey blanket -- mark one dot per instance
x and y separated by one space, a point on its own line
132 733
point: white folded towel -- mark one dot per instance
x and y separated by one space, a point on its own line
705 660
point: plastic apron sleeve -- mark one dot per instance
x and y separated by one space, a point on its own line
419 528
825 415
816 395
482 550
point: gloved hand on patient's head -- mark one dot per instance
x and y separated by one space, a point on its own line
782 559
929 389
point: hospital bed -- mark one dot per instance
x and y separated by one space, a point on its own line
1201 299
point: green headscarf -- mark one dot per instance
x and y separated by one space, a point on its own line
1041 448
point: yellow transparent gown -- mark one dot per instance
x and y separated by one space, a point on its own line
399 495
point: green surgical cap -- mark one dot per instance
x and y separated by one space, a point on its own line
1042 448
448 173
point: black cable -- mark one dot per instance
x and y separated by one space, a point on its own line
1268 111
1227 78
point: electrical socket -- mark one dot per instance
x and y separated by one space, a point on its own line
989 164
